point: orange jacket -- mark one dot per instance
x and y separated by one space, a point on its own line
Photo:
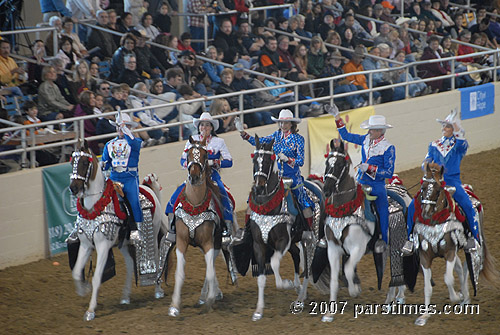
359 79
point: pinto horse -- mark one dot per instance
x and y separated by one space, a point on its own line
100 221
198 216
271 230
438 232
346 229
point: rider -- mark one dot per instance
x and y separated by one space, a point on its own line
448 151
377 160
289 146
218 157
121 154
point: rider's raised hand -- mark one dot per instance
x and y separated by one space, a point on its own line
283 157
238 124
332 110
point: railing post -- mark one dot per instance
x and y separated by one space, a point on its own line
296 97
407 86
370 86
205 31
331 92
54 42
453 73
495 64
32 153
241 104
24 156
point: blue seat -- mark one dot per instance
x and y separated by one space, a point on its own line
11 105
104 69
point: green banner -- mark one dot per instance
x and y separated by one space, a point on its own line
60 206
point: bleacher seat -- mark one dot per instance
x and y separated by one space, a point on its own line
104 69
11 105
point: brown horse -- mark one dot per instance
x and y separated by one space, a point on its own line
439 233
197 223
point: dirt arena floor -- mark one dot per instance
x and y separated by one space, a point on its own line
39 298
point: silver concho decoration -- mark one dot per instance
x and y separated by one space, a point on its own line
145 255
337 225
434 234
193 222
107 223
267 222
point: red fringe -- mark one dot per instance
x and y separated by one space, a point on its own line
346 209
108 195
271 204
441 216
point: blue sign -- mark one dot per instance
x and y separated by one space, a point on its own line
477 101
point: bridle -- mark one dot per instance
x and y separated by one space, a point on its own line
75 158
260 163
331 160
196 153
431 182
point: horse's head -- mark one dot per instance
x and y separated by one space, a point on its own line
432 196
263 165
85 167
197 161
337 166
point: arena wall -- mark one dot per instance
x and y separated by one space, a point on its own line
23 229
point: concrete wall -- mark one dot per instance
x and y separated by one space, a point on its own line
23 229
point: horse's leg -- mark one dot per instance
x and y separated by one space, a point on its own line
400 299
102 247
259 251
182 241
84 252
129 266
259 311
422 319
204 289
295 253
449 279
334 253
464 288
218 293
355 243
281 246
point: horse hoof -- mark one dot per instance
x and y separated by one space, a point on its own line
400 301
219 296
201 302
354 290
256 316
287 284
89 316
125 301
422 320
159 294
327 318
173 312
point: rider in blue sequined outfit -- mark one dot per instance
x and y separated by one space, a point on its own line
289 147
449 151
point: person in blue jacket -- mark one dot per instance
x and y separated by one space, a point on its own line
121 155
378 157
289 147
449 151
218 157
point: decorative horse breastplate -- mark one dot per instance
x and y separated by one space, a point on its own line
268 222
337 225
107 222
434 235
194 221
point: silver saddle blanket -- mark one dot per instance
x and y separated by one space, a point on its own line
194 221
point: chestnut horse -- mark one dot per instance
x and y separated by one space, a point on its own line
197 223
91 188
438 232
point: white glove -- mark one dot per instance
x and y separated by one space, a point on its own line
283 157
363 167
126 131
238 124
332 110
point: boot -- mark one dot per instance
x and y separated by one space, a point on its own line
470 245
226 232
407 249
135 236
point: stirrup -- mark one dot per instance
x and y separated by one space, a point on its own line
135 236
380 246
470 245
407 249
307 235
73 236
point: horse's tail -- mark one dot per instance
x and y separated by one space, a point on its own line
489 271
151 181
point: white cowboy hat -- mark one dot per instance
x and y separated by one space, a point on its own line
124 119
450 118
286 115
375 122
206 117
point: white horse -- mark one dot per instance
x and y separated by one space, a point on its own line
102 233
347 231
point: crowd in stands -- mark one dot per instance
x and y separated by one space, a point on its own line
69 81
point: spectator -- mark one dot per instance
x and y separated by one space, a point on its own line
300 61
483 27
386 14
344 85
213 70
51 103
316 57
82 80
369 26
193 73
94 72
102 39
441 15
455 29
162 20
174 77
383 37
463 49
129 75
227 76
63 82
147 117
196 23
400 76
128 43
53 7
301 30
161 54
67 30
429 70
84 108
173 42
270 55
43 157
66 53
10 73
35 69
379 78
262 98
187 110
285 55
104 89
117 100
348 42
147 63
185 43
221 107
252 43
113 25
426 11
334 39
135 9
225 38
355 65
99 103
148 27
240 83
378 11
327 25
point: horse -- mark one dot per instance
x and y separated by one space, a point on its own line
100 226
271 230
439 232
198 216
348 230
